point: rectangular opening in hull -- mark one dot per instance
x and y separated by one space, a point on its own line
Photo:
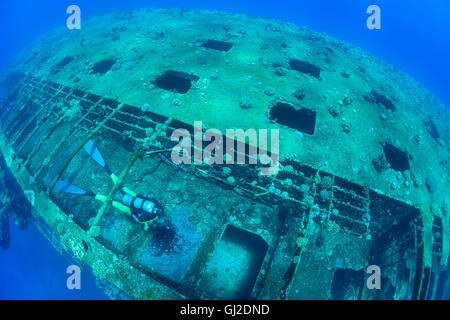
397 158
305 67
61 64
383 100
103 66
179 82
235 264
218 45
299 118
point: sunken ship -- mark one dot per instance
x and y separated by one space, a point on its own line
364 159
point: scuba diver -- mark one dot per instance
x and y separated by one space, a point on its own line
144 210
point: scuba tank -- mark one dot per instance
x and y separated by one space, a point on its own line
143 209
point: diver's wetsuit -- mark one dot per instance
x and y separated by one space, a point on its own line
145 209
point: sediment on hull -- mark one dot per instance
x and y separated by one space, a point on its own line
304 203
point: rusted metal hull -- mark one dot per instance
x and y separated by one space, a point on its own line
311 227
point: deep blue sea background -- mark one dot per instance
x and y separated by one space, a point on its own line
415 37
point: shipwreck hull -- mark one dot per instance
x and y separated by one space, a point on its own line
250 237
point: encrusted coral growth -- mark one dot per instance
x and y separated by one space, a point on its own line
100 269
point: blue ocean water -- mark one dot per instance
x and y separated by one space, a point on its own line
32 269
414 37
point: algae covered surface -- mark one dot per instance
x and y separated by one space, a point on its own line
361 102
360 142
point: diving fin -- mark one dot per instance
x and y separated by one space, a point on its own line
70 188
95 154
